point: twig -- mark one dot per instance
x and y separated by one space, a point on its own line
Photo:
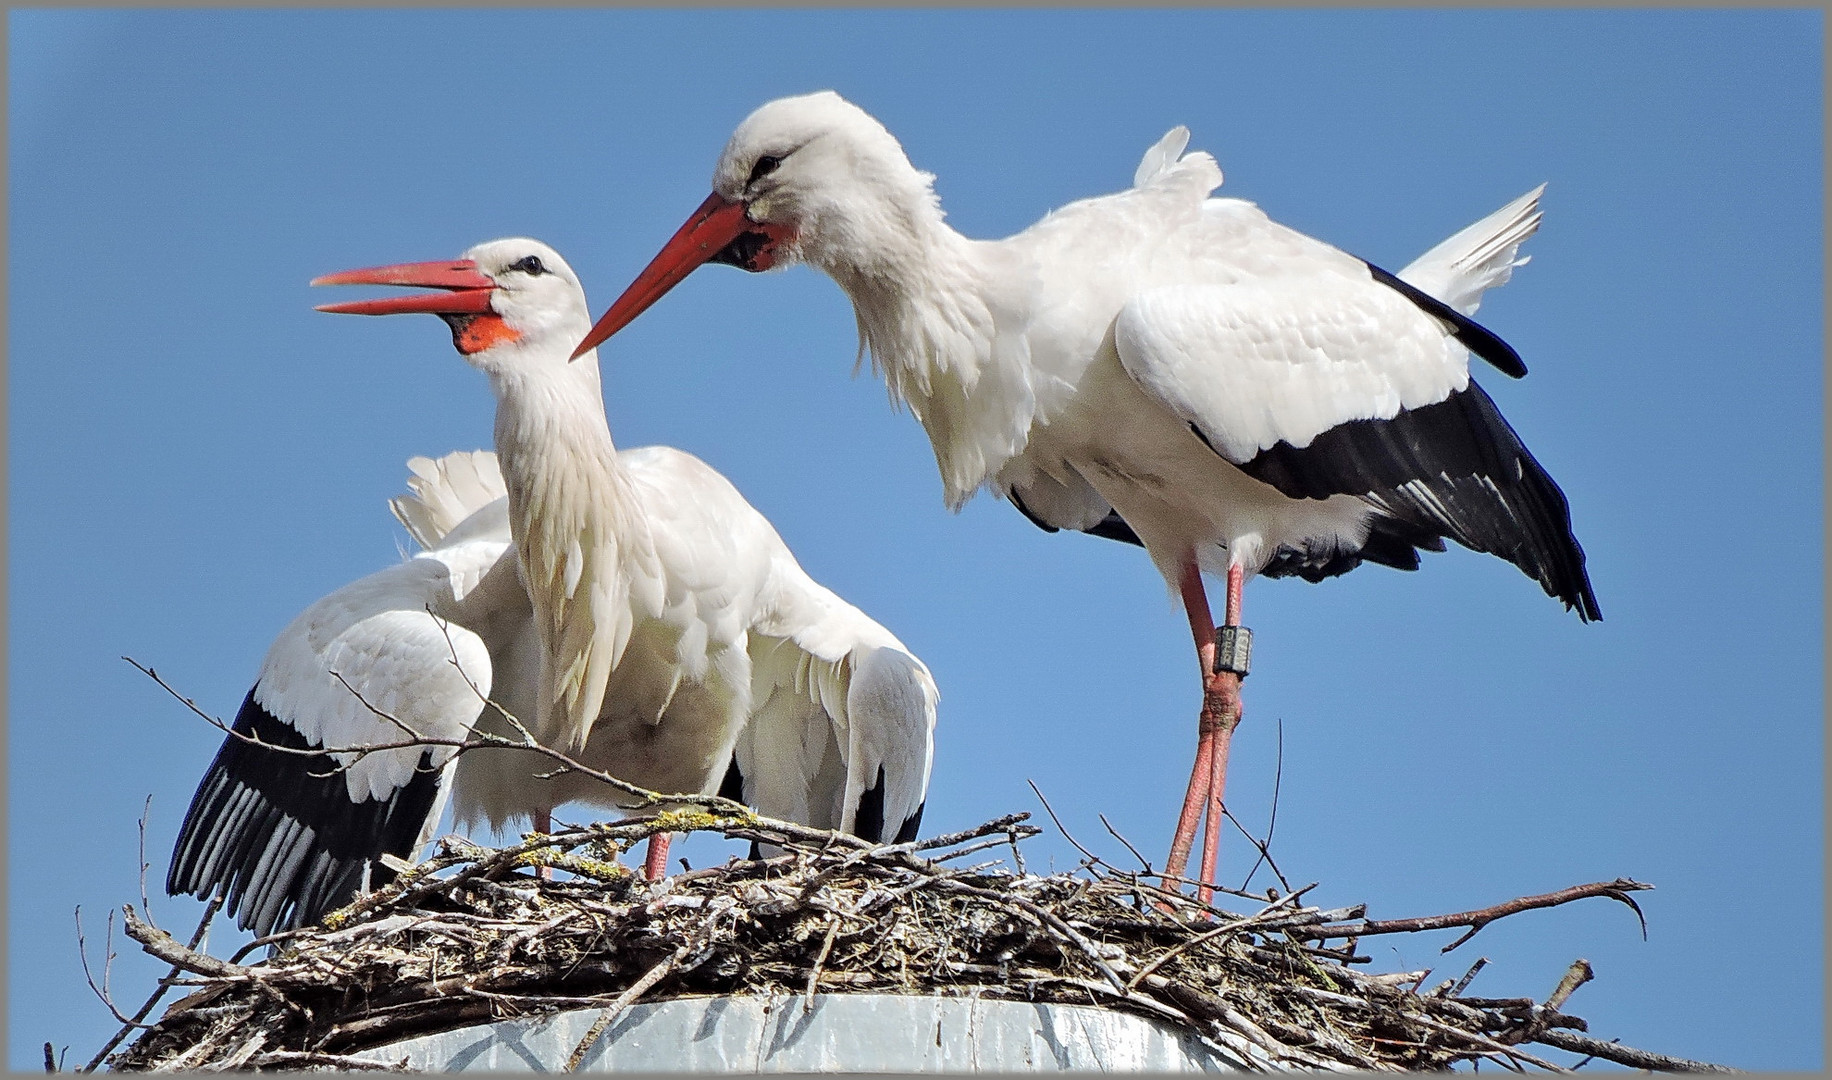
636 990
82 950
814 973
1463 983
1272 820
1265 851
1093 859
145 812
271 939
161 944
1115 833
1487 1043
1481 917
1162 958
1575 976
127 1028
451 648
1627 1055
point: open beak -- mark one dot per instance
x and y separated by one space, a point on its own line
467 290
707 233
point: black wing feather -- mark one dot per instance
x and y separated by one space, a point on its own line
279 834
732 787
910 825
868 823
1114 527
1390 542
1111 527
1455 469
1475 337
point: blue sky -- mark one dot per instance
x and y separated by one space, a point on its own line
195 455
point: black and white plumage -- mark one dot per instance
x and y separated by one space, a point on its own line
290 837
1159 367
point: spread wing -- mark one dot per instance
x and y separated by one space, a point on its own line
289 836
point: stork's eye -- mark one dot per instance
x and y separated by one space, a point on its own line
764 167
530 265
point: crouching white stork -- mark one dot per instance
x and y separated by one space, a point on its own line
1159 367
683 649
288 837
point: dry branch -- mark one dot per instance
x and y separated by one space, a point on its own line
1476 920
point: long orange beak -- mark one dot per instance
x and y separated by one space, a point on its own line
707 232
467 290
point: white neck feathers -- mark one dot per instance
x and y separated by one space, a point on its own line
579 537
948 339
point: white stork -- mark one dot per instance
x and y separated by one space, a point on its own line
1160 367
678 634
288 837
733 669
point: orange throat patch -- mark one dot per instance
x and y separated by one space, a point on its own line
480 332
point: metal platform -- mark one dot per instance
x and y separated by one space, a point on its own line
840 1033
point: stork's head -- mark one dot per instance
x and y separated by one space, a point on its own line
804 179
508 302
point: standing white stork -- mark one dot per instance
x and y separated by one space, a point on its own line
678 633
291 836
1160 367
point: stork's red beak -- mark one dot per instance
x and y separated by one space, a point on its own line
707 234
468 291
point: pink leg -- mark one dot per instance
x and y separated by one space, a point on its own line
1229 685
543 824
1202 628
1215 726
655 864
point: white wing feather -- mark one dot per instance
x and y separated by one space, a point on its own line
890 721
386 646
844 699
1256 360
445 491
789 753
372 650
1252 363
1480 257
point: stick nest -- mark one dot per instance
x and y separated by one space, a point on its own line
474 935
